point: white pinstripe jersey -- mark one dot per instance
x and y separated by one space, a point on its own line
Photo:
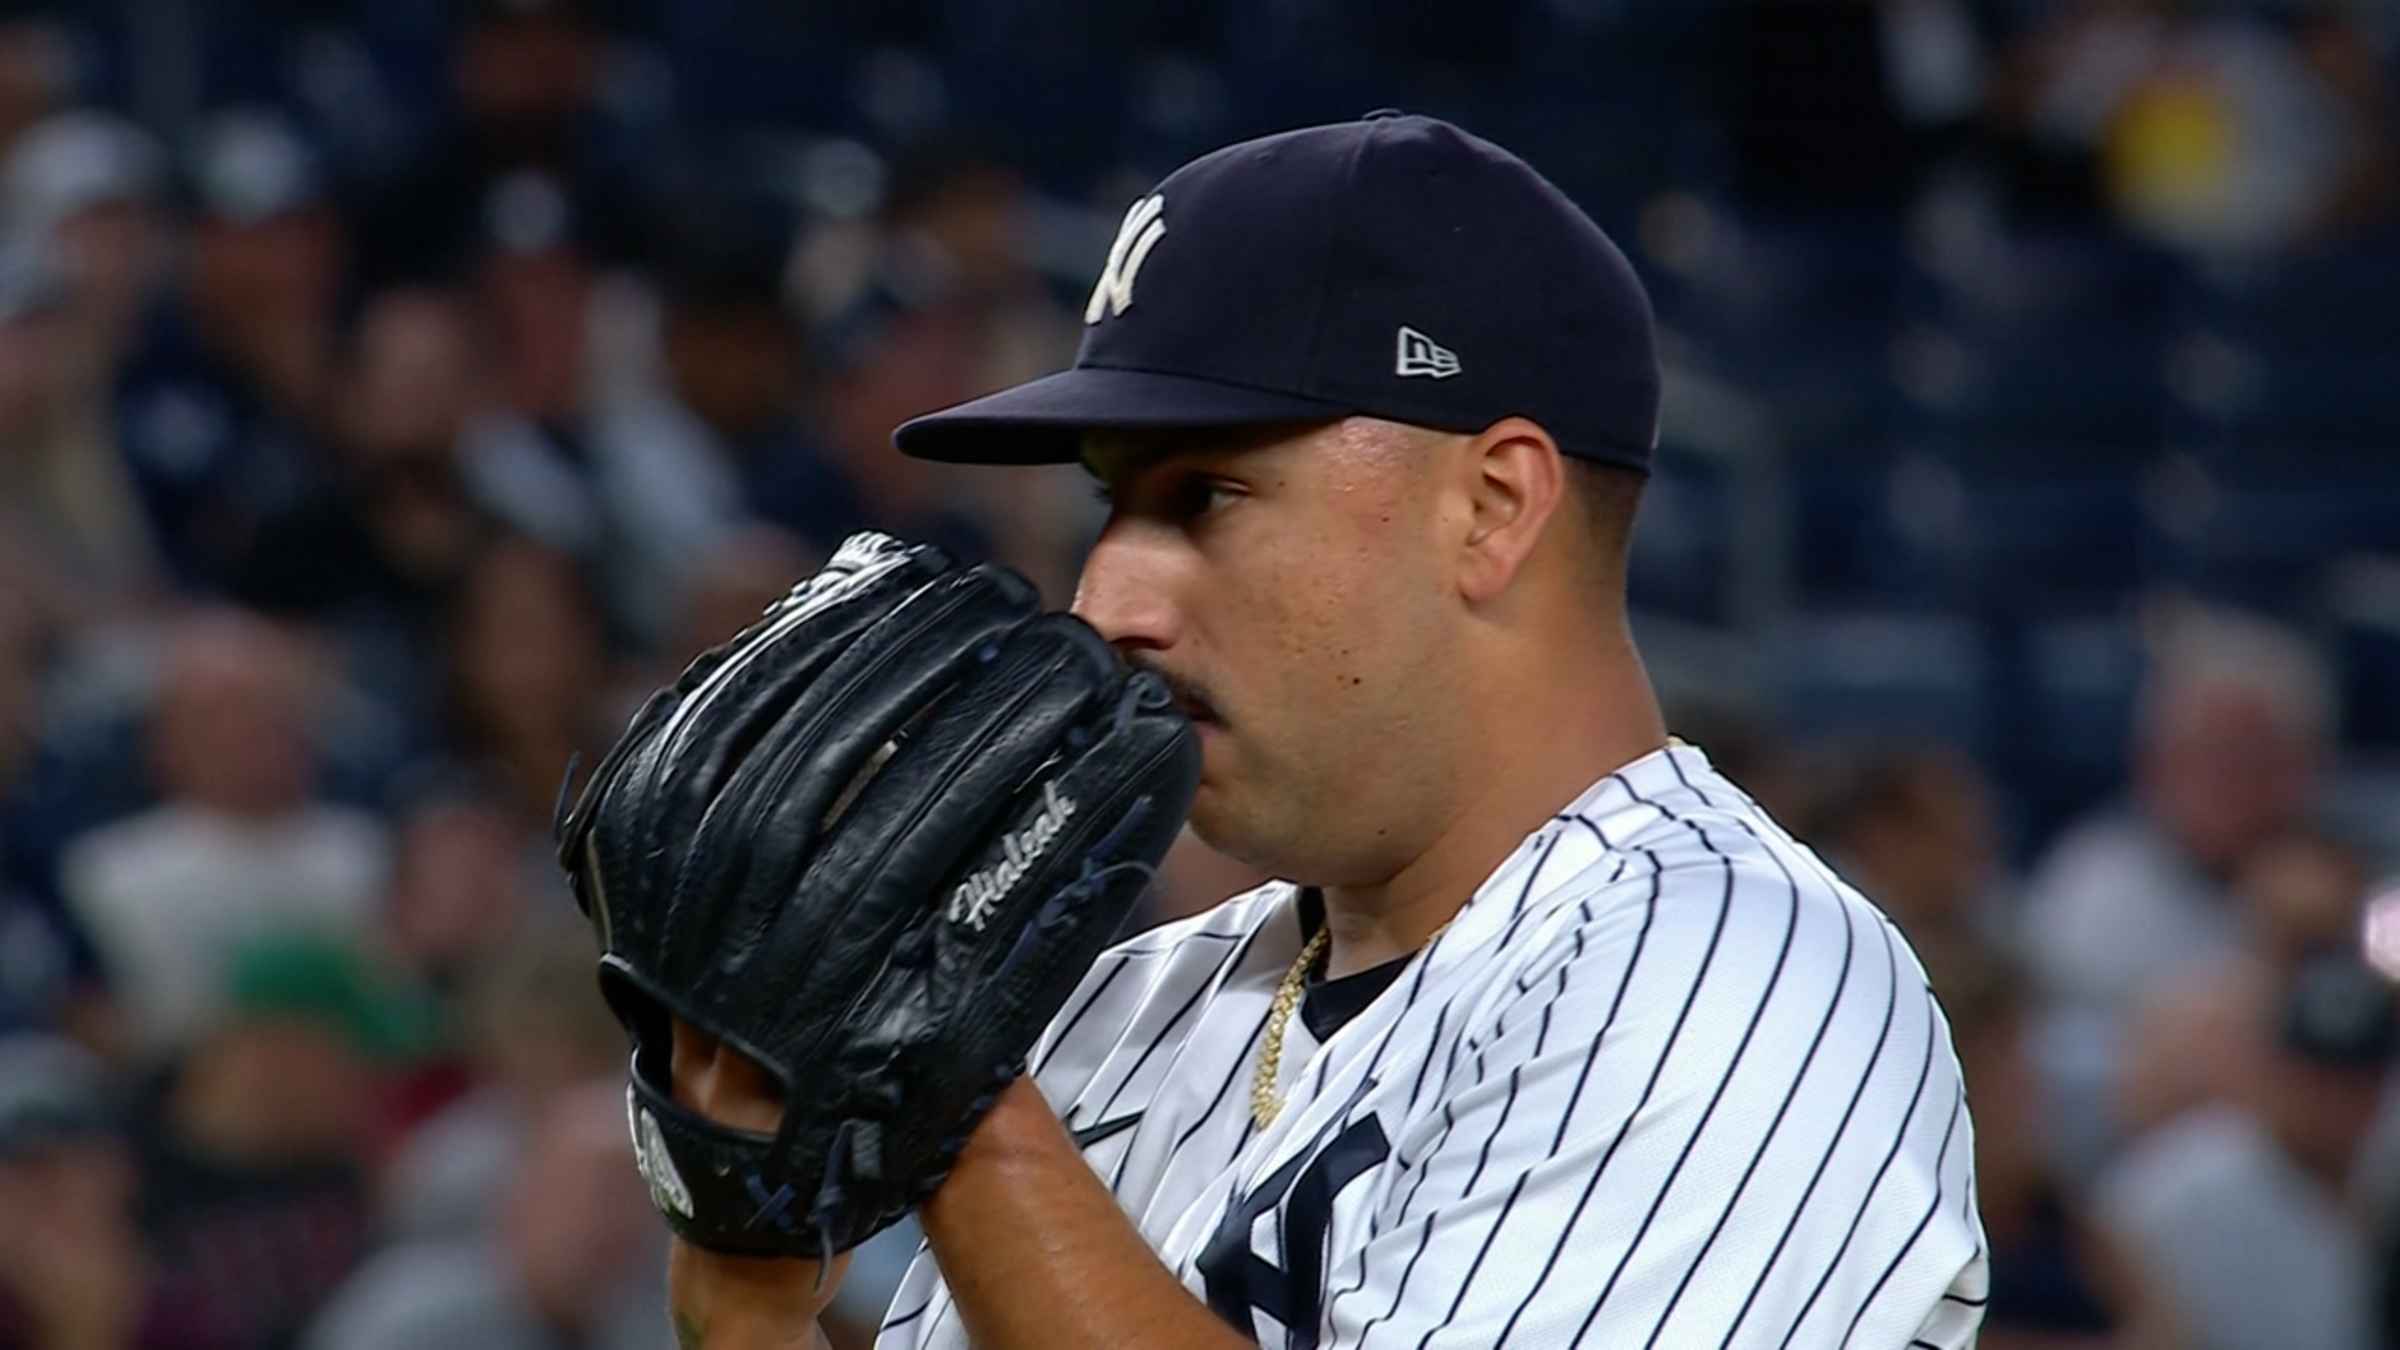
1665 1081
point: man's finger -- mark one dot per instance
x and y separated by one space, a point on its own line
721 1083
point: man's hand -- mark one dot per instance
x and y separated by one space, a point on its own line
875 840
1034 1248
721 1083
739 1302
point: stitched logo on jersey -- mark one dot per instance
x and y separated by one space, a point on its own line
657 1166
1238 1281
981 893
1140 233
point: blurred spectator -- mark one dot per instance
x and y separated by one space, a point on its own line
254 1143
533 1025
721 437
960 222
469 884
458 887
1913 829
749 569
2213 128
529 199
529 671
395 527
48 492
240 843
576 1256
36 68
534 285
378 552
2202 1039
218 404
49 976
86 248
2244 1214
1834 105
958 275
2057 1279
530 83
91 184
75 1273
2232 736
952 307
889 359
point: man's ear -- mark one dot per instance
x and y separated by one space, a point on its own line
1514 483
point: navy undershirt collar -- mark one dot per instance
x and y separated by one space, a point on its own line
1328 1005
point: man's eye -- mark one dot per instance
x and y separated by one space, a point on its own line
1200 496
1183 499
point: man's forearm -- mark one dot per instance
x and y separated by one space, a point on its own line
1038 1256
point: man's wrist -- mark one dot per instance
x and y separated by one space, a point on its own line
720 1302
1020 1125
743 1332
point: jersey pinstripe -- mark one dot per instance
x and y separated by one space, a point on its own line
1665 1081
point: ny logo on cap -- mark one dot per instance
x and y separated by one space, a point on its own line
1135 238
1421 355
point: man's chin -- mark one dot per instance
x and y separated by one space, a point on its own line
1218 820
1210 819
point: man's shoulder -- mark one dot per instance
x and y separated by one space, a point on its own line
1657 858
1705 837
1228 921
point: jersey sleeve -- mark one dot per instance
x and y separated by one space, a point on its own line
1721 1110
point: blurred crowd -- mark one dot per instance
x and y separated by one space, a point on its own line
392 394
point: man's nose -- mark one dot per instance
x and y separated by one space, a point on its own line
1126 591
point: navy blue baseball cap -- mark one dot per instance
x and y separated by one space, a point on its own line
1394 267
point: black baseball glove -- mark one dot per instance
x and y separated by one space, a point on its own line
872 842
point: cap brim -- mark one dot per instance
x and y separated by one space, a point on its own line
1043 421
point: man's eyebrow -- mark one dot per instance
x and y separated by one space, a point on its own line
1120 455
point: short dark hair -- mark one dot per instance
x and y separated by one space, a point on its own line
1610 495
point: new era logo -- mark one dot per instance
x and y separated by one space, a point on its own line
1421 355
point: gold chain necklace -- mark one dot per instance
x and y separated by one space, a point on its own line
1264 1103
